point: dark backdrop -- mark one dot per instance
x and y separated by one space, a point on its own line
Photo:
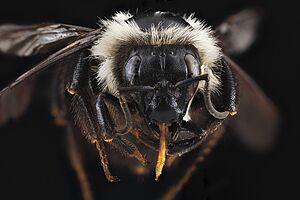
33 164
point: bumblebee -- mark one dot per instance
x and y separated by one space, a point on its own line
154 86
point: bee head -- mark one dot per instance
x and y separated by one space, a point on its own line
148 56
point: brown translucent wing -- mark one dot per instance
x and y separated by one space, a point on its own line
257 119
6 94
22 40
238 32
13 105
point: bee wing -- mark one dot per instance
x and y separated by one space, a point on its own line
7 93
257 119
14 104
238 32
22 40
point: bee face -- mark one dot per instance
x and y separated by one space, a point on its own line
161 68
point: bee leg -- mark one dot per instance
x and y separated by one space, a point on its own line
104 161
231 89
129 149
205 151
81 99
103 116
109 133
87 120
77 164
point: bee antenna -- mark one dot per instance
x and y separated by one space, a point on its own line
191 80
207 95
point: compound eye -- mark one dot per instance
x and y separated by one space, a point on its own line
131 69
193 65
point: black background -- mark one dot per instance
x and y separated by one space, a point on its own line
33 163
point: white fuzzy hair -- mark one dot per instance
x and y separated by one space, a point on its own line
117 32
